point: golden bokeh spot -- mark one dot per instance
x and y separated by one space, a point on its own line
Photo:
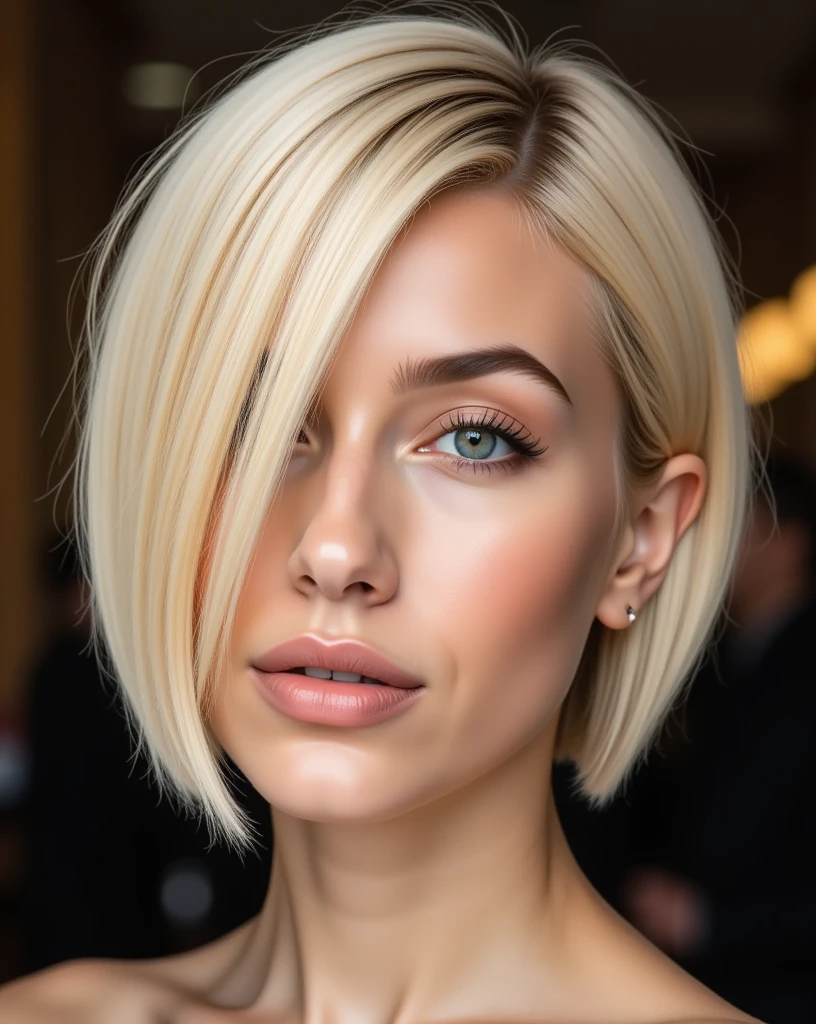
776 341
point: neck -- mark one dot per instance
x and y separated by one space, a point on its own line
393 920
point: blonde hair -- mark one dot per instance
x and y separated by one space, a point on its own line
231 270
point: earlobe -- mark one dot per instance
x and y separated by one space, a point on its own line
662 514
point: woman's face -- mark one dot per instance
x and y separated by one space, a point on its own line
461 527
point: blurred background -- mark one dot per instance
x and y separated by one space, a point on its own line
90 862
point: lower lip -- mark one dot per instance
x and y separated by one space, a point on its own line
325 702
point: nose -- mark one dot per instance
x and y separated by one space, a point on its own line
344 552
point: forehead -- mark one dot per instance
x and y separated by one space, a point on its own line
475 253
470 272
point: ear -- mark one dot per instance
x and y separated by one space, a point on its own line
661 513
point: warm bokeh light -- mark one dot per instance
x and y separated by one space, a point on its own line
772 350
803 304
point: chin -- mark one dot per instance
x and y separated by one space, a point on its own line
324 782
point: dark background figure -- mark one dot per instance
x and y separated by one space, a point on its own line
111 869
711 852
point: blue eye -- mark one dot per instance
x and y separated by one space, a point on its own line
486 441
475 443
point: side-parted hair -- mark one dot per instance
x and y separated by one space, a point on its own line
232 269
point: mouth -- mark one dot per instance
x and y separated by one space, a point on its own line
318 683
349 661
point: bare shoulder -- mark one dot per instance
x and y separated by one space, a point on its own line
681 999
99 992
739 1019
633 982
120 991
95 992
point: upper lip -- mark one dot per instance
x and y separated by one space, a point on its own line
336 655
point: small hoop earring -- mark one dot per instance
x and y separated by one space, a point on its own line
630 611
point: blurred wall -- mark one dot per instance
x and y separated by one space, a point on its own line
79 181
59 175
18 419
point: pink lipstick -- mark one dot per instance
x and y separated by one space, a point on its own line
336 682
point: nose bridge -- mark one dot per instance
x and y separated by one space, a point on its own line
347 486
344 543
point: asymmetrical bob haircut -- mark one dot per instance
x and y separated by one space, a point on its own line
227 279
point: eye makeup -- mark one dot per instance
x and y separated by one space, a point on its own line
476 435
471 428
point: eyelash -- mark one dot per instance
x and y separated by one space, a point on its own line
517 436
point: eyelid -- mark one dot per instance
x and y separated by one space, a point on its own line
496 421
489 418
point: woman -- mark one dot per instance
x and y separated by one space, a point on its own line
415 458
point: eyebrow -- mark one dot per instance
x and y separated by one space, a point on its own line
427 373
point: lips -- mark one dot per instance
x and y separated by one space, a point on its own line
336 656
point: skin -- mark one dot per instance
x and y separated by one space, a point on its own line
421 872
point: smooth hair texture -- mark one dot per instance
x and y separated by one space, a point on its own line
231 270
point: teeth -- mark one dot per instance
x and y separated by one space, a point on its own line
340 677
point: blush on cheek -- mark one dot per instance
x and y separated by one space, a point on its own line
541 587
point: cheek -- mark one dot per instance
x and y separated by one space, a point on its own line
515 598
263 589
535 561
